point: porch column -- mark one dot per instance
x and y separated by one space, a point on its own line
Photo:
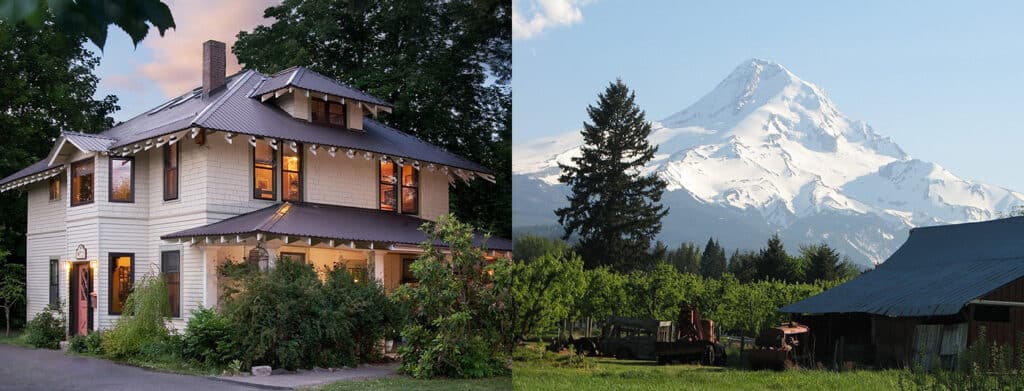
375 264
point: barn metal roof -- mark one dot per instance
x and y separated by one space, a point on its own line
936 272
328 222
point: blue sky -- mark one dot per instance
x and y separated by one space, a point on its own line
945 80
163 67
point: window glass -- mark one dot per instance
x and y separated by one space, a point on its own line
291 174
337 114
263 171
121 280
170 266
121 183
55 188
410 190
54 293
407 274
82 176
388 186
317 110
171 172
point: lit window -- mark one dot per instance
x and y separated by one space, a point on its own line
388 186
122 182
410 190
82 176
291 173
55 188
171 156
121 280
264 159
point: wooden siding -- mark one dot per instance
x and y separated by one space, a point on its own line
1004 333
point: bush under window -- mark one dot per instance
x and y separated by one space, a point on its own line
46 329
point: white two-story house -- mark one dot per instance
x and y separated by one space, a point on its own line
247 167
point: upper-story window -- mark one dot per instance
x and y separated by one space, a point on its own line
391 182
388 186
263 162
291 173
410 190
55 188
82 177
122 179
330 113
171 156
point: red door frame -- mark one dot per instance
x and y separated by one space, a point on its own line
76 303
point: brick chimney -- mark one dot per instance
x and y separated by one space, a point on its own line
214 66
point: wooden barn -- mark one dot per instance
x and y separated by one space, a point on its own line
928 300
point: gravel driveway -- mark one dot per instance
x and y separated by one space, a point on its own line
39 369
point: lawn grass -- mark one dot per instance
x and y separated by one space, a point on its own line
408 383
612 374
16 338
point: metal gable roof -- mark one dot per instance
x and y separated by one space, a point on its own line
936 272
328 222
304 78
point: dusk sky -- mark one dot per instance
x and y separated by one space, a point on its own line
164 67
943 79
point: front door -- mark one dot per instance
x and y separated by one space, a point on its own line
81 289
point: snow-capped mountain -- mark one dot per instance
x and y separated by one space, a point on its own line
764 152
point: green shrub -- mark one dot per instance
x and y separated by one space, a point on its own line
364 306
94 343
208 339
460 326
142 327
277 319
76 344
46 329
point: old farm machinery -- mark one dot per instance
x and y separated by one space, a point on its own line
786 346
689 339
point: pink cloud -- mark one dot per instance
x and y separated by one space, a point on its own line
177 56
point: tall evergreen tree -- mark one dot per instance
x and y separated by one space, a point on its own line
743 265
444 64
823 263
712 262
686 258
775 264
48 86
614 208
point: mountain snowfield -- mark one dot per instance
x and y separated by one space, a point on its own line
765 152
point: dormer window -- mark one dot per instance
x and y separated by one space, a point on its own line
327 113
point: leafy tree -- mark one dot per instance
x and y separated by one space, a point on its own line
48 87
686 258
90 18
605 295
615 209
530 247
12 287
460 325
445 65
545 290
712 262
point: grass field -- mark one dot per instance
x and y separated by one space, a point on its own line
17 337
407 383
612 374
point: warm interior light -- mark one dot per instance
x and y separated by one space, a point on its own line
94 264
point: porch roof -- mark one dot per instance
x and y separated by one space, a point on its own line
328 222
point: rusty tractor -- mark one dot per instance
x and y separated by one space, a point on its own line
689 339
786 346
